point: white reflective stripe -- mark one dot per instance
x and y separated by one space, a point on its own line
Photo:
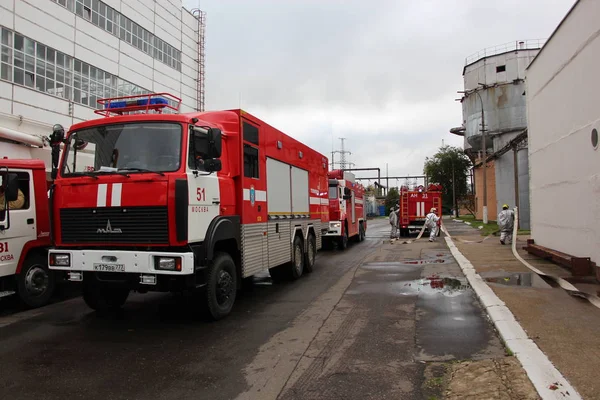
324 202
101 197
315 200
115 198
423 209
358 201
259 195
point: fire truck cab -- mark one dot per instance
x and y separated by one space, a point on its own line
346 210
415 205
184 202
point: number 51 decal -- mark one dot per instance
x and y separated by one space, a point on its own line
200 194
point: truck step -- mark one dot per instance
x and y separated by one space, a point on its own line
6 293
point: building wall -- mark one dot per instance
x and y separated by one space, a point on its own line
562 87
490 177
60 56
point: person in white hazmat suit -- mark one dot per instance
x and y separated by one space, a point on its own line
506 222
431 223
394 221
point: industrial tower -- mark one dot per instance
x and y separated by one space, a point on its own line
201 17
344 164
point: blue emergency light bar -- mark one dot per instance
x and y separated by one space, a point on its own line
139 102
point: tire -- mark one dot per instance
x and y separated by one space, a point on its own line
296 267
35 282
104 298
221 288
343 241
361 232
311 254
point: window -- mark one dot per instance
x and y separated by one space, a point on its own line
500 68
250 161
22 202
112 21
333 191
250 133
26 62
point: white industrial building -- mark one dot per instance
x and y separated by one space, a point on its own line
58 57
493 95
564 121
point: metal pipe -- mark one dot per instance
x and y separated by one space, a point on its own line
516 169
24 138
484 160
397 177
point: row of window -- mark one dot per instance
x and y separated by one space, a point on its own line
26 62
115 23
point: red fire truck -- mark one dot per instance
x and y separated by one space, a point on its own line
346 210
415 205
25 223
184 202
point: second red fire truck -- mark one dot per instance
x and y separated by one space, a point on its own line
415 205
346 210
178 202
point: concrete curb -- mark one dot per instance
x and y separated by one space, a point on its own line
547 380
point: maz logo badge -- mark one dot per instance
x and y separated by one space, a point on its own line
109 229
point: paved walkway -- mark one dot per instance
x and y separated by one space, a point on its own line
565 328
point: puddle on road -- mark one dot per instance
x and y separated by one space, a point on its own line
432 285
518 279
448 287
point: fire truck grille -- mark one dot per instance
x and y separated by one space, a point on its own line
130 225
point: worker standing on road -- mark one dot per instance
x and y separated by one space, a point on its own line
506 222
431 223
394 221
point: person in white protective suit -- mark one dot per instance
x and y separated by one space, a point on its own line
431 223
394 221
506 222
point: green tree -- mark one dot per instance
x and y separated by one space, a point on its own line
391 199
439 170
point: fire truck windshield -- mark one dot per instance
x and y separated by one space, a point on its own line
128 147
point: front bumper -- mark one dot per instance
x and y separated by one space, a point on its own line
119 261
334 229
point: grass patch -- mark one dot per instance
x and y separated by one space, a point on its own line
491 228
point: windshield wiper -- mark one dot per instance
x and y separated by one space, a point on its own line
141 170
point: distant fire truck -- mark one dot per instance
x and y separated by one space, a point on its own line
346 210
415 205
184 202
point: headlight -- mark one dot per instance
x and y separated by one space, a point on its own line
60 260
167 263
335 224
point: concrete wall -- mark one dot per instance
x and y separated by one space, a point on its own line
73 51
562 87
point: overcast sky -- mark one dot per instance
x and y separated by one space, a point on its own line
383 74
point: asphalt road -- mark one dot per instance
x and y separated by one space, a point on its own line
366 324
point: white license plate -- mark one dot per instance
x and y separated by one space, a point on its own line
109 267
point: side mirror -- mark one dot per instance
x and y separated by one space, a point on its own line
11 188
214 142
347 194
213 165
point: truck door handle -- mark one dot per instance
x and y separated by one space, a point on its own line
29 221
216 202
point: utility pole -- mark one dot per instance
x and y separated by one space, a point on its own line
344 163
454 205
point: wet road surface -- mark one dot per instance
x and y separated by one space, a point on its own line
364 325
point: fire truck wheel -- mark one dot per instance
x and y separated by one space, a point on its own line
343 243
311 254
222 286
297 266
361 232
35 282
102 298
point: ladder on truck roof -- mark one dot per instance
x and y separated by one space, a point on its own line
142 104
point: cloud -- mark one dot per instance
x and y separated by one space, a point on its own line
382 74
